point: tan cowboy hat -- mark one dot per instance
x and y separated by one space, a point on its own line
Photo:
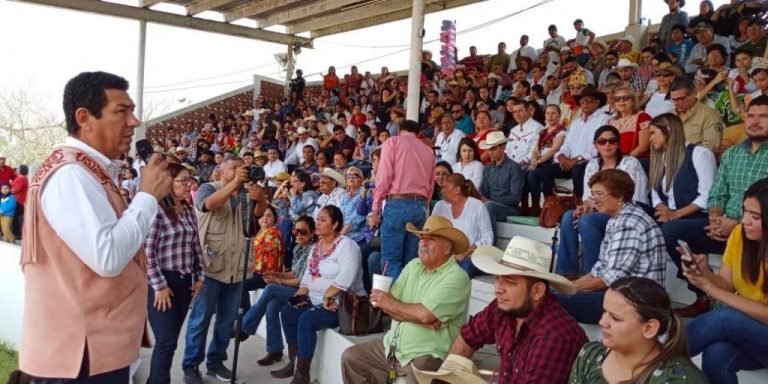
259 154
523 257
281 176
455 369
435 114
602 44
335 176
302 131
311 118
493 139
248 113
441 226
670 68
625 63
399 110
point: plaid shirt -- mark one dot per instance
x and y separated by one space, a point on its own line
637 83
542 351
633 246
739 168
173 247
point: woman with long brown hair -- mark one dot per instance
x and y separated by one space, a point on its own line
637 317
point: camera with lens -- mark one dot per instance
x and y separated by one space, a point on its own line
369 185
256 174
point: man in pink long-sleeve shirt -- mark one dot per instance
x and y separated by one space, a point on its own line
405 179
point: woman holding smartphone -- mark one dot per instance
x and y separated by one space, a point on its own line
734 337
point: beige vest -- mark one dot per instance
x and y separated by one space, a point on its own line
222 240
66 304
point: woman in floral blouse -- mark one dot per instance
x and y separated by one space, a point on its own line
268 244
637 312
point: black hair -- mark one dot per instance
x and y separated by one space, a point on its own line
743 51
682 83
88 90
761 100
444 164
470 143
338 127
304 178
679 27
720 49
755 252
615 132
410 126
662 57
612 53
23 170
307 220
337 218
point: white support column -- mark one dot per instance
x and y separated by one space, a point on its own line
414 70
141 131
288 71
635 11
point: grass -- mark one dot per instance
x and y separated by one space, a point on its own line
9 361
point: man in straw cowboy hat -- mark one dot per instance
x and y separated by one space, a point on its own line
455 370
503 180
536 338
428 304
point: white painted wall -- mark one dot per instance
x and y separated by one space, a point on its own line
11 293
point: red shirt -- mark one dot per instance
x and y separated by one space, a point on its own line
20 185
6 175
407 166
542 352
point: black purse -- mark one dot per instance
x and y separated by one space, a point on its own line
357 317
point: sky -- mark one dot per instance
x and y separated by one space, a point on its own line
44 47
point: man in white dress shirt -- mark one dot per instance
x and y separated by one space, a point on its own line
525 50
273 166
522 137
448 139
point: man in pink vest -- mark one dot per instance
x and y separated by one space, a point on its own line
84 267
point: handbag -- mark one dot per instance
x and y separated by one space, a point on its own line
555 206
357 317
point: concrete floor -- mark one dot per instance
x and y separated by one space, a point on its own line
248 371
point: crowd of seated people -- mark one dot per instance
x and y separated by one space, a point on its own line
663 143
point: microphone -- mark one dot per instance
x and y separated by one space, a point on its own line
145 151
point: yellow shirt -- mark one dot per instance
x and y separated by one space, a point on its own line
732 258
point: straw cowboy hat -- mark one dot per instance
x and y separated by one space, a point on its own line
259 154
248 113
493 139
441 226
281 176
523 257
625 63
670 68
335 176
435 114
454 370
399 110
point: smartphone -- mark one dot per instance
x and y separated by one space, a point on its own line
298 300
687 252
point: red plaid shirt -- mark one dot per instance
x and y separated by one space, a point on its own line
544 350
173 247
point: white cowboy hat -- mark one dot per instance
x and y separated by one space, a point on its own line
455 369
441 226
248 113
628 38
523 257
301 131
625 63
493 139
335 176
311 118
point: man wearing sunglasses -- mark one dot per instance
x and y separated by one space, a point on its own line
702 124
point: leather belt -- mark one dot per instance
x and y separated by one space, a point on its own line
406 196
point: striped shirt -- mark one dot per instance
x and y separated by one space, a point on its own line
739 168
633 246
173 247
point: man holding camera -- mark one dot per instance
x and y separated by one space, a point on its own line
220 223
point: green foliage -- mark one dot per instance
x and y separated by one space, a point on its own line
9 361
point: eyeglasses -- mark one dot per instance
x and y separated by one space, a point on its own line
184 181
456 111
598 195
603 141
617 99
353 176
300 232
679 99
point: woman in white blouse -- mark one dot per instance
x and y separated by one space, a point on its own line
681 176
584 221
461 204
468 161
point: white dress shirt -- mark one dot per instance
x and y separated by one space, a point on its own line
272 168
472 171
705 166
628 164
523 138
474 220
580 136
77 207
449 146
297 157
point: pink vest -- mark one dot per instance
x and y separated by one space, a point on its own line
66 304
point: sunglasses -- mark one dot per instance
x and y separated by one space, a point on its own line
300 232
611 141
617 99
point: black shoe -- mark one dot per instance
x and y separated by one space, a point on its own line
221 373
192 376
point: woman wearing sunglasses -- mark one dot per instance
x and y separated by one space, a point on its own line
354 223
631 122
584 221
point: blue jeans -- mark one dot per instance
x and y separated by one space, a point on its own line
286 233
253 283
223 299
584 307
166 326
692 231
498 212
272 300
301 325
398 246
469 268
731 341
592 230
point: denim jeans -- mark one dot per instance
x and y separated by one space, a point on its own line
731 341
286 233
272 300
498 212
692 231
223 299
253 283
469 268
546 176
398 246
301 325
166 326
584 307
592 230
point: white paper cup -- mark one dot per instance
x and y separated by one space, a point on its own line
381 282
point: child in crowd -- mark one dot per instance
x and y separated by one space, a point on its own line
7 210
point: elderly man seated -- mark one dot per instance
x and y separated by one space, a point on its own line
536 338
427 303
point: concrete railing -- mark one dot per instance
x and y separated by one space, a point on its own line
12 296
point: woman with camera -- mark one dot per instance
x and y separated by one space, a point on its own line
174 269
333 268
643 340
734 336
280 287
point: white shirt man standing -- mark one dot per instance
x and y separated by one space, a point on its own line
448 139
523 136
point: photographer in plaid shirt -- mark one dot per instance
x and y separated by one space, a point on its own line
174 258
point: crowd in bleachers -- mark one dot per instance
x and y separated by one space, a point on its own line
664 143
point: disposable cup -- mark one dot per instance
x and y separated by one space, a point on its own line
381 282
